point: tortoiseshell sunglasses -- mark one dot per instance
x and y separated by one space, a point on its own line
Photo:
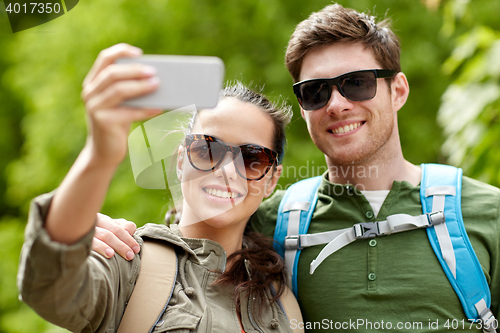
206 152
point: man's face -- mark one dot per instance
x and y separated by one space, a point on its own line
352 132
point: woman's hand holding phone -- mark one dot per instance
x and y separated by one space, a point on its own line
105 88
80 196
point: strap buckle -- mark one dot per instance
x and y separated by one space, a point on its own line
366 230
436 217
488 320
292 243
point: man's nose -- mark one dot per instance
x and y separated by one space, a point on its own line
338 103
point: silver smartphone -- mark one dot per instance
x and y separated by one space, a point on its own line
184 80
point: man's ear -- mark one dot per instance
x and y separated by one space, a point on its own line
180 162
273 181
399 91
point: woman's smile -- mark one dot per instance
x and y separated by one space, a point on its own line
222 193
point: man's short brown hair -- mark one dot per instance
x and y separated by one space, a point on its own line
336 24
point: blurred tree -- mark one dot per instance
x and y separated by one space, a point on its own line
11 230
470 109
46 65
11 113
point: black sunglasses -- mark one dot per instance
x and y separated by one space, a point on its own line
355 86
206 152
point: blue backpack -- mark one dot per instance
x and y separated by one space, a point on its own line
440 195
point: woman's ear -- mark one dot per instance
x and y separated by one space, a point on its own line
180 162
271 185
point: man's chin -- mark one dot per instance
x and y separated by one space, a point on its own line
346 157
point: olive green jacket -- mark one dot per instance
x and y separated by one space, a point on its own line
78 289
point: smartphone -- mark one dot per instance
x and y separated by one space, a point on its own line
184 80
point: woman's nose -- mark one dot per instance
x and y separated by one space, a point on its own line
228 166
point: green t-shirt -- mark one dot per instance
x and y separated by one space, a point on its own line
389 283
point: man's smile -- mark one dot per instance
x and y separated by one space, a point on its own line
344 129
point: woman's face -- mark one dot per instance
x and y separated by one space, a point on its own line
222 198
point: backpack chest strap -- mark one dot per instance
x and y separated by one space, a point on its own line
337 239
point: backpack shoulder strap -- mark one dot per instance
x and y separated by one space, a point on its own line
294 215
153 288
440 190
292 309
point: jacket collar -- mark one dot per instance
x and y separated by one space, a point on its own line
204 252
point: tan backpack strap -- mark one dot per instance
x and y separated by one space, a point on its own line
153 288
292 309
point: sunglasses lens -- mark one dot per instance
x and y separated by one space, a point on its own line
256 162
314 94
206 154
359 86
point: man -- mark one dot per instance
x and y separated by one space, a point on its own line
395 279
388 283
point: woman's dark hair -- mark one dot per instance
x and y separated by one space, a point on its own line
257 266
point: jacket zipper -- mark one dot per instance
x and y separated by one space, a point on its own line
252 321
224 262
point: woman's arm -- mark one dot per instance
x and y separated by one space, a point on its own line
69 285
58 276
72 213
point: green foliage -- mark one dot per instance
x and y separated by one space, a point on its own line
11 113
471 104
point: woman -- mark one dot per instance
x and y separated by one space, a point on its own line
228 163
